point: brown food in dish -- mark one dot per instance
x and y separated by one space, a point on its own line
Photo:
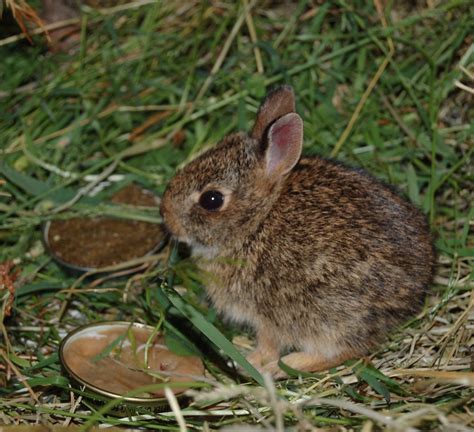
105 241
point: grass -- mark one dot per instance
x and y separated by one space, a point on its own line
152 84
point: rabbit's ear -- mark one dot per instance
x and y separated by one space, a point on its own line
278 102
284 144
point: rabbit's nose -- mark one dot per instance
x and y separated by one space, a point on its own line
167 213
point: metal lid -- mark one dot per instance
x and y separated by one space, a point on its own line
91 329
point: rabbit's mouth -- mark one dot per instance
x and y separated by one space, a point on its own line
176 231
197 249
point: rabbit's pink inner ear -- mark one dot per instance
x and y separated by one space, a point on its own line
285 142
278 102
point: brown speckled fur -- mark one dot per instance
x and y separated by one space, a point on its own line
324 260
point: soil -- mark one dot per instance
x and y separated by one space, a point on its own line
124 368
104 241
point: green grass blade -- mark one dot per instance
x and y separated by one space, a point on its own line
212 333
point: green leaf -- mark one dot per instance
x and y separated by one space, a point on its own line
56 380
28 184
179 344
376 373
51 360
373 382
318 19
39 287
297 373
412 181
372 379
241 115
256 86
109 348
347 388
465 252
18 361
38 188
352 392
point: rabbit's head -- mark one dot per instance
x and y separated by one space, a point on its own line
219 199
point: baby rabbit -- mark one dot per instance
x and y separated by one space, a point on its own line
318 258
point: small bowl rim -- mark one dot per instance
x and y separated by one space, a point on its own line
109 394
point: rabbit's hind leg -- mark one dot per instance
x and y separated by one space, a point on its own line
304 362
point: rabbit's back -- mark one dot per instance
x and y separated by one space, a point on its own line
353 217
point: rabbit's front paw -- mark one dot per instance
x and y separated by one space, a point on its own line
272 368
259 357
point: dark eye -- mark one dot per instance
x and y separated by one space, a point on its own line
211 200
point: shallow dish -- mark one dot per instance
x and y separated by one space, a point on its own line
117 357
86 244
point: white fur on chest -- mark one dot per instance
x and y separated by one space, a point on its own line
206 252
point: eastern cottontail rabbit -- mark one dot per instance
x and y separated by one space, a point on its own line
318 258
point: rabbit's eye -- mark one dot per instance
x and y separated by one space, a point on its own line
211 200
